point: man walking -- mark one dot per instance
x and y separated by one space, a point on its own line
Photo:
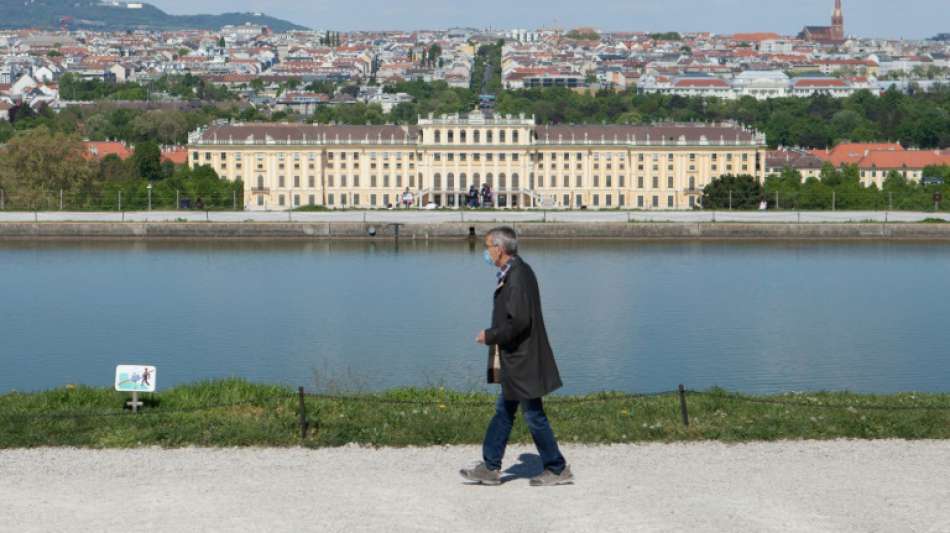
521 359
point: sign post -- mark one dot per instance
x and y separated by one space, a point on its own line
135 379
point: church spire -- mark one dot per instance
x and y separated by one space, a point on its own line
837 22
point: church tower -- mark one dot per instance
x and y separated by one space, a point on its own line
837 22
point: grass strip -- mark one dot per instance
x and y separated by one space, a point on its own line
236 412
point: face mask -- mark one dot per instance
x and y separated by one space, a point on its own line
488 259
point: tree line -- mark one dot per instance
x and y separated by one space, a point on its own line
40 168
187 87
919 119
834 188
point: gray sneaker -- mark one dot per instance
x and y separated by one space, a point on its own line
548 478
481 474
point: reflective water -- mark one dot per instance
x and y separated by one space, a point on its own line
638 317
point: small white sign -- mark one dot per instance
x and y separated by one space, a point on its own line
135 378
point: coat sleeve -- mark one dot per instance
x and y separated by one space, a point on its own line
517 316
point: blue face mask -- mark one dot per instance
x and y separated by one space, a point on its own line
488 259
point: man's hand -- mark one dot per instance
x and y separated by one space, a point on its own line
480 339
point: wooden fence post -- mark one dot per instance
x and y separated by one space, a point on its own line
682 392
303 414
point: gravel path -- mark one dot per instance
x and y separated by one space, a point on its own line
789 486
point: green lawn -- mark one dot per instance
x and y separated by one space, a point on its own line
239 413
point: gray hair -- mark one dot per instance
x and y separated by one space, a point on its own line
505 237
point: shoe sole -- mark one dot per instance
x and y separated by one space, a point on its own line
554 483
480 481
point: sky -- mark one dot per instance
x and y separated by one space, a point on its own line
910 19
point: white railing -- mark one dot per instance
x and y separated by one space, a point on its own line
755 143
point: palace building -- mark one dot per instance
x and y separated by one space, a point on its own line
657 166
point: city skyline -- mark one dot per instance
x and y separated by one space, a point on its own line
870 18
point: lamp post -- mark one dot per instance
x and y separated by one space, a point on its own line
149 196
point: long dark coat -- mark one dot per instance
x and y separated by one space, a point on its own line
528 369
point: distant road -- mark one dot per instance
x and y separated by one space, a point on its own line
430 217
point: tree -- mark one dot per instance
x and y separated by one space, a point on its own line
6 131
829 175
20 112
582 35
165 127
434 52
39 163
737 192
404 113
669 36
111 168
351 90
814 194
325 87
147 160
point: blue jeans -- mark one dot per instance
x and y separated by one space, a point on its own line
499 429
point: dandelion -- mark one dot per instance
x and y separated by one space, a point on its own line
70 386
441 406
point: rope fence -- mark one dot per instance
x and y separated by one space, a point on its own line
681 393
138 199
926 199
124 412
824 406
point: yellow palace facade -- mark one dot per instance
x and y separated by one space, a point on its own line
659 166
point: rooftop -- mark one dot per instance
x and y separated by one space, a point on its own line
665 134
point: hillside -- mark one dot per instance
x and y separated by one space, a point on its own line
93 15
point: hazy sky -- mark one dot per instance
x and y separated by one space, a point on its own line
865 18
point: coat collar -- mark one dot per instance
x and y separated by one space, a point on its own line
506 271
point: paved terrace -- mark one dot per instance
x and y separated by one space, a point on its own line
440 216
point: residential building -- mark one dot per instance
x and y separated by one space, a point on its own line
761 85
876 160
